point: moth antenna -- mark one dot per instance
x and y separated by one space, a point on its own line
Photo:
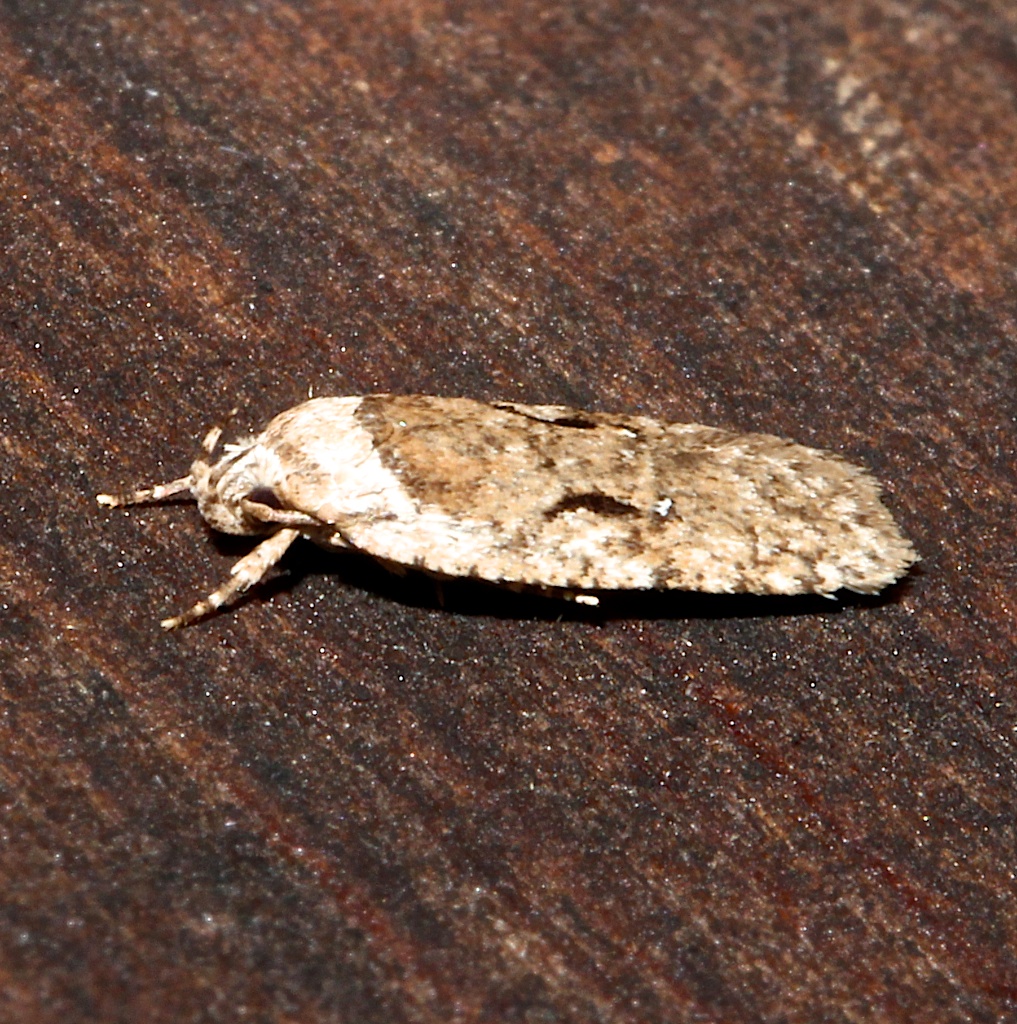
251 569
158 492
213 436
211 439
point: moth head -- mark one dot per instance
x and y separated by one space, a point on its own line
231 490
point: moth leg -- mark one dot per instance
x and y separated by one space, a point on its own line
248 571
157 493
280 516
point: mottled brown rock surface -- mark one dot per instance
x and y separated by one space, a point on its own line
345 801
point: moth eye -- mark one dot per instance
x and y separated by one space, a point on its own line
265 496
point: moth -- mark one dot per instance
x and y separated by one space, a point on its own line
542 496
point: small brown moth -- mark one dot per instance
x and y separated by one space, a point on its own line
543 496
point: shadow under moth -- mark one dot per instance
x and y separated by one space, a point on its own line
544 497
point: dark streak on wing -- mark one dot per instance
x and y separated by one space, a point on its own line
594 501
576 421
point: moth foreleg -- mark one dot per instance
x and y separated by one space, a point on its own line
250 570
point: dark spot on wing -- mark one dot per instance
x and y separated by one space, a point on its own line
602 504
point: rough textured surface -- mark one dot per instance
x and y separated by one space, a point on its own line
346 803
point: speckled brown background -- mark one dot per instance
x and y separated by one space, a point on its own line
343 802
